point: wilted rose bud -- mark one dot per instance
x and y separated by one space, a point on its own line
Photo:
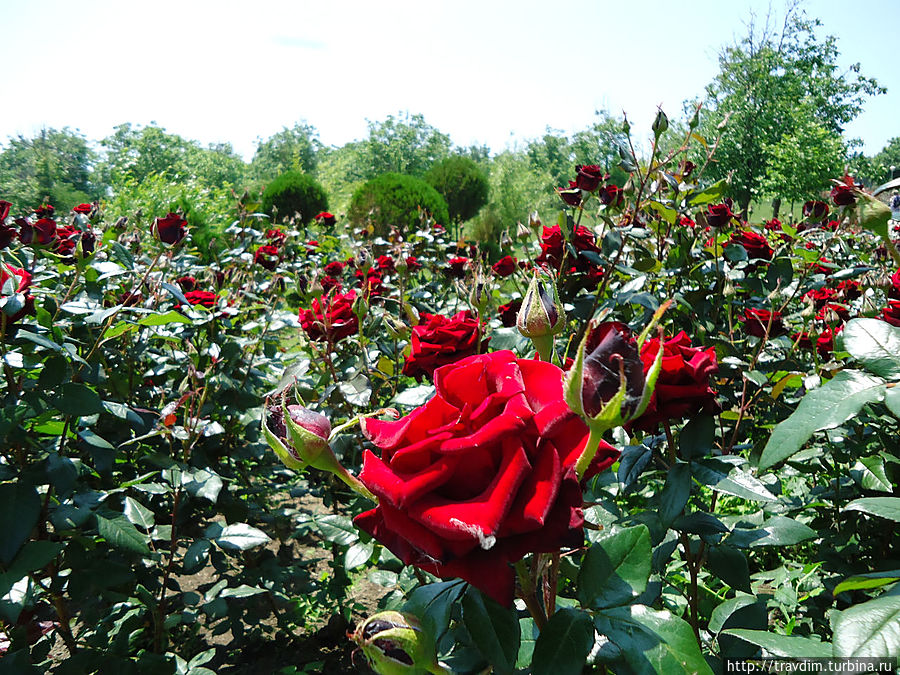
396 329
505 240
395 644
363 260
534 221
360 306
315 288
610 350
522 231
480 296
401 264
542 312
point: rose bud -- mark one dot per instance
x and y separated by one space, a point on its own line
718 215
588 177
300 438
480 296
542 315
815 210
522 231
170 230
395 644
660 124
842 195
570 195
401 264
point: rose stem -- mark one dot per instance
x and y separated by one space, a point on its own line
529 596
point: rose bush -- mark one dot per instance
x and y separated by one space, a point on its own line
480 475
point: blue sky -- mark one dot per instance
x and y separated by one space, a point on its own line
488 71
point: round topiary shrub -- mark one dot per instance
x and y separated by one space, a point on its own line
294 192
395 200
462 184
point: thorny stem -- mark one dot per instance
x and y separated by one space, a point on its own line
527 593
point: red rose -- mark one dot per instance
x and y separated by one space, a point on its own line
757 320
820 296
612 195
842 195
334 268
371 283
7 235
456 267
509 312
5 206
505 266
187 284
755 244
83 208
438 341
412 263
553 246
330 317
570 195
267 256
894 292
831 312
329 284
385 263
480 475
13 281
815 210
204 298
42 232
170 230
683 387
891 313
325 218
849 289
276 236
44 211
588 177
718 215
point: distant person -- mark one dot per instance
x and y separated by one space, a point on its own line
895 205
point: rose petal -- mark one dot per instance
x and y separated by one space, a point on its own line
401 488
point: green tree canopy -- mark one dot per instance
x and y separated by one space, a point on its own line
406 145
55 164
462 183
762 80
294 149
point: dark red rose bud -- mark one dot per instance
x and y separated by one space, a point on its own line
187 284
588 177
7 235
509 312
815 210
5 206
325 218
334 268
171 229
570 195
456 267
88 241
686 168
611 347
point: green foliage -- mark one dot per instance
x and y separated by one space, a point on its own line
294 149
55 163
395 200
765 82
462 184
406 144
134 153
294 192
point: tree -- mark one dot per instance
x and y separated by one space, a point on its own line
293 149
462 184
803 160
888 157
294 192
392 200
761 81
133 153
407 145
55 164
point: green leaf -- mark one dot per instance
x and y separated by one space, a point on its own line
675 493
337 529
869 629
564 644
196 555
241 536
827 407
653 641
163 319
616 568
697 437
358 554
120 533
494 629
721 613
777 531
708 195
783 645
875 344
892 400
118 329
34 556
433 603
731 566
870 474
861 582
20 508
138 514
242 591
726 477
884 507
78 400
